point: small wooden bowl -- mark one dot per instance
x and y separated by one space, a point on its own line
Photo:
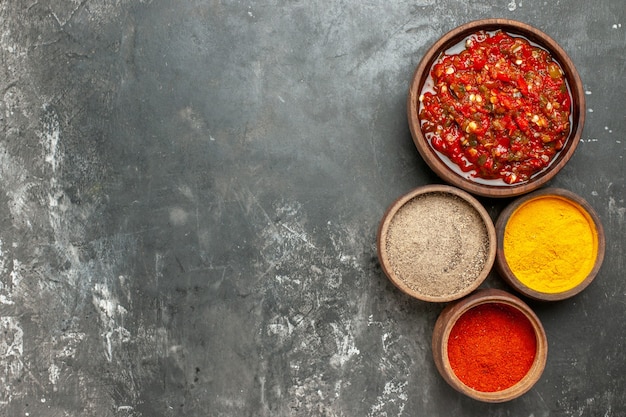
495 188
448 318
586 211
452 212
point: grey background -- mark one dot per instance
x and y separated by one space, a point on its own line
190 192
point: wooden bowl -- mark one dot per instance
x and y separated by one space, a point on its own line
441 338
441 165
437 243
588 224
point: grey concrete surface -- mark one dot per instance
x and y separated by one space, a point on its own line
189 196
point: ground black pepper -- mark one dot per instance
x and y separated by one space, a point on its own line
437 244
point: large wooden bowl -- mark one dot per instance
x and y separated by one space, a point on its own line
439 164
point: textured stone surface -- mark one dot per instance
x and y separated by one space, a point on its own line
189 196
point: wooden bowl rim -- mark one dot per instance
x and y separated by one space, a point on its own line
448 318
505 271
514 27
432 189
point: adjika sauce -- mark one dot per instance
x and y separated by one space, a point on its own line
500 108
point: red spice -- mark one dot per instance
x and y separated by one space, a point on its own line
491 347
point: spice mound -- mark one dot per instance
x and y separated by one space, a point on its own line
500 108
437 244
550 244
491 347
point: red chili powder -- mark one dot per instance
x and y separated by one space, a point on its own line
491 347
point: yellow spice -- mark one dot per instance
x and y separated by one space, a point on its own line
550 244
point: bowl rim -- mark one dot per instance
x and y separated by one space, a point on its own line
448 318
502 265
391 211
432 158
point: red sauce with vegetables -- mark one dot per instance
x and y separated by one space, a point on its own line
500 108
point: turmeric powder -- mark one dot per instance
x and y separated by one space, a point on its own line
550 244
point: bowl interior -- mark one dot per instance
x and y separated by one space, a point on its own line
440 164
448 319
594 225
436 243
